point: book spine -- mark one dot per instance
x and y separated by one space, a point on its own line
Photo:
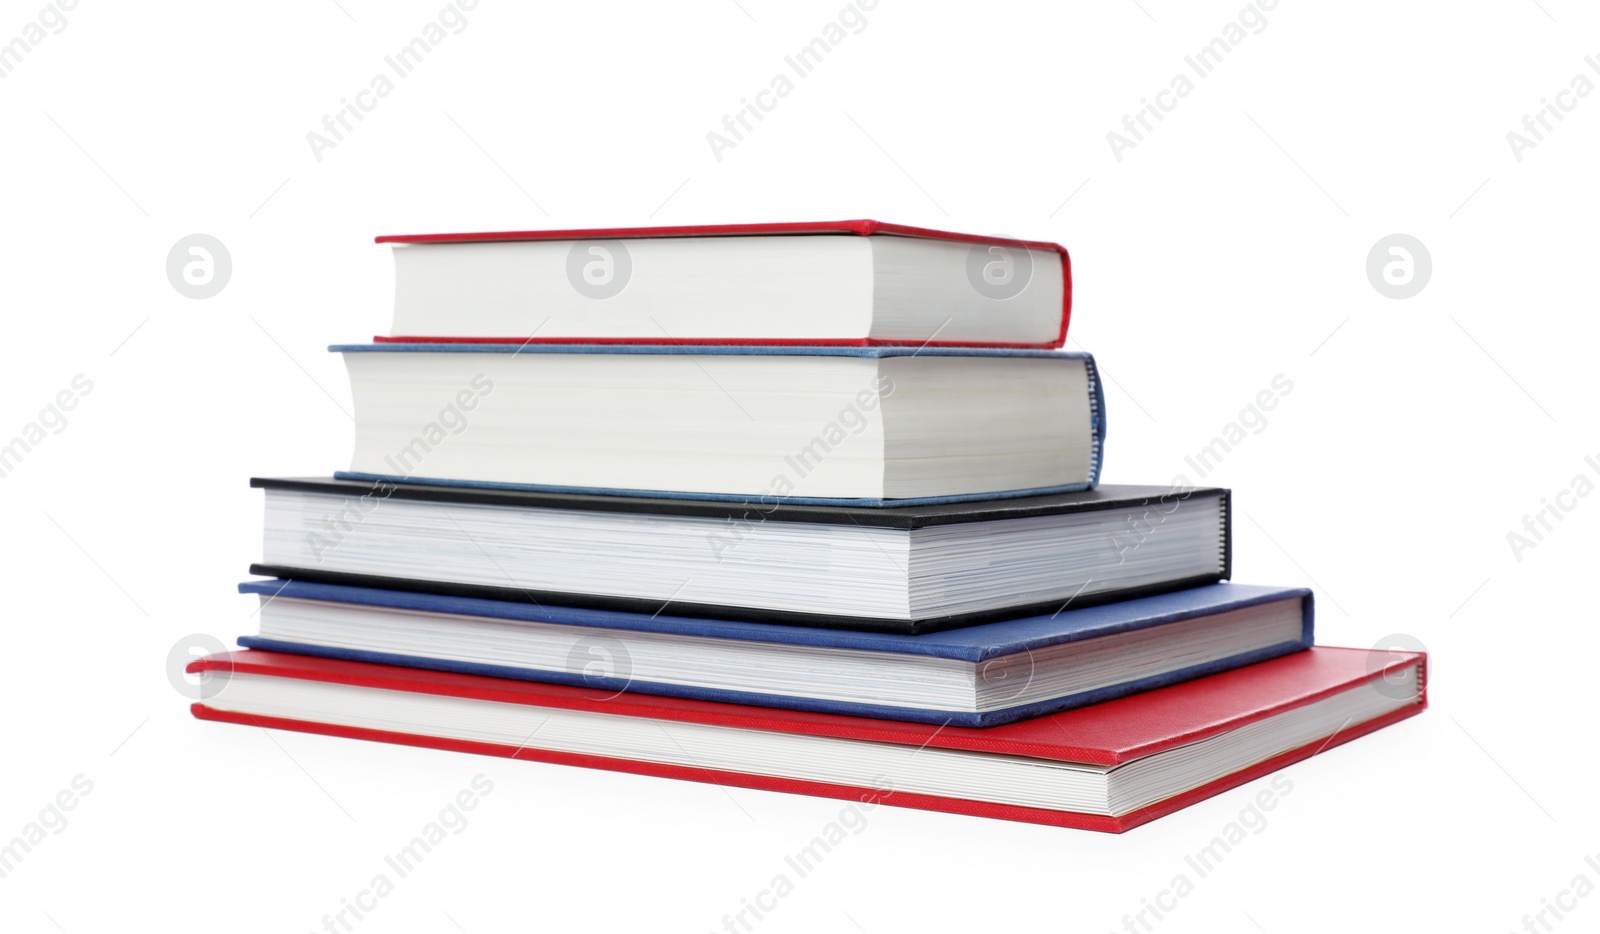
1097 418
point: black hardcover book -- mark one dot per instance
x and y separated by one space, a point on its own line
904 569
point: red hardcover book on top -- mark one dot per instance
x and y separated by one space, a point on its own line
1106 767
854 283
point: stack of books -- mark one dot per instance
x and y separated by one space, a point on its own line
810 508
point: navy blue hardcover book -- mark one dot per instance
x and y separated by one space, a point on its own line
978 676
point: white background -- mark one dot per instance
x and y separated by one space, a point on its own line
1227 248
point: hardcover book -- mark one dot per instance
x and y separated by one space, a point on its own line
979 676
856 282
853 424
1106 767
908 569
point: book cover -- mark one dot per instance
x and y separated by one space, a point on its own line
1140 504
972 644
864 228
1109 734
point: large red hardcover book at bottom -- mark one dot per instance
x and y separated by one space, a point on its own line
1104 736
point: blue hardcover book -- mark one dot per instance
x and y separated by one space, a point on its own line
819 425
978 676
